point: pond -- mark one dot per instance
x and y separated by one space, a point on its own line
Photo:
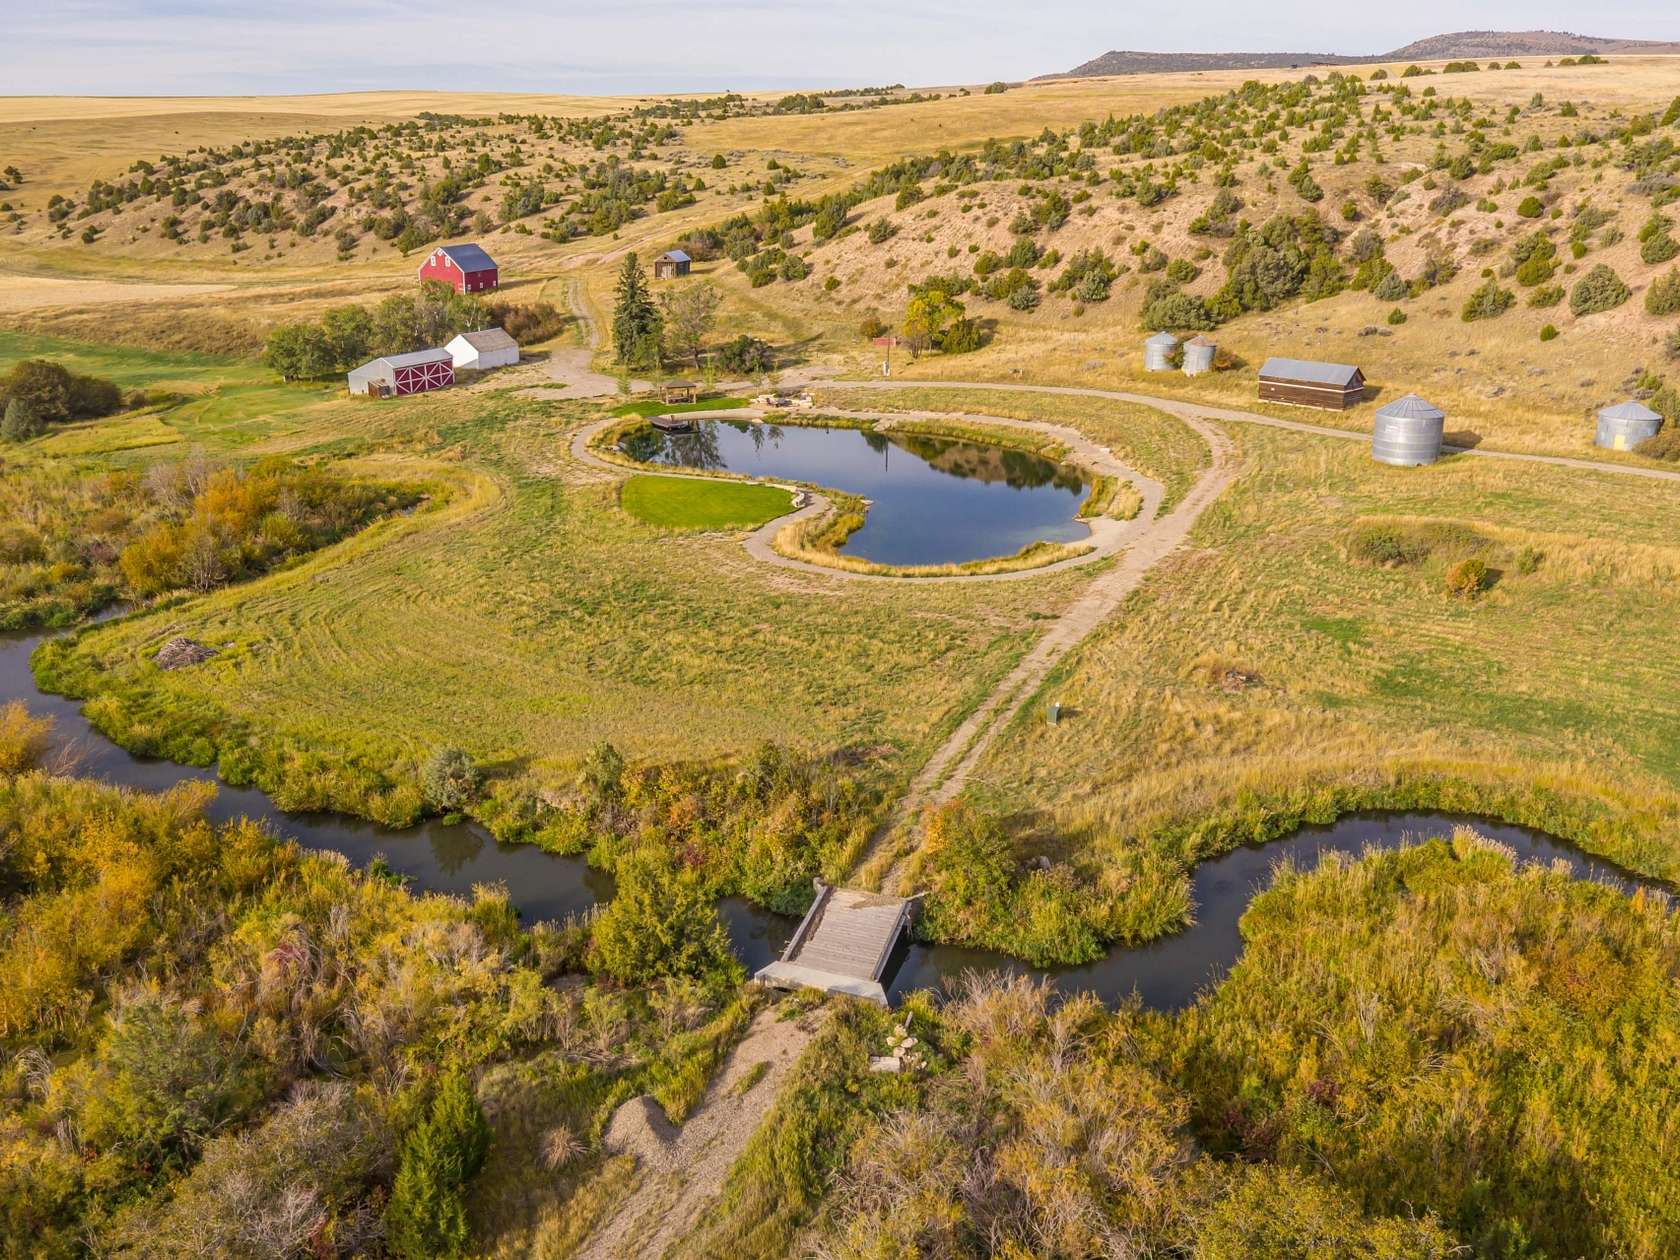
932 500
1166 974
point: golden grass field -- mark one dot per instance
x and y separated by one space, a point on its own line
1496 379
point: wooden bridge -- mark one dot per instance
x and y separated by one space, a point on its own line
843 944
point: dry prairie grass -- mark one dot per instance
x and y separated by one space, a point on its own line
1334 673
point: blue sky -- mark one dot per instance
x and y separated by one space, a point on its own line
166 47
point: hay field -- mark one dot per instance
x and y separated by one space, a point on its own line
1270 660
531 617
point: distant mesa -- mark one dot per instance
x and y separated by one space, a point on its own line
1461 44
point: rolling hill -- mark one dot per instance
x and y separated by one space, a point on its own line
1434 48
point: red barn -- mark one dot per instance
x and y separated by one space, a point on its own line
398 374
464 268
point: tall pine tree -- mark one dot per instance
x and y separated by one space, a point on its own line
636 321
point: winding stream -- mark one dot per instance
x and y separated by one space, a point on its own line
1167 973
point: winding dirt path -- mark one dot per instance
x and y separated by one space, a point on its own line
947 771
571 368
670 1196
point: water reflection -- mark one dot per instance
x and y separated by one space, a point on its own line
932 500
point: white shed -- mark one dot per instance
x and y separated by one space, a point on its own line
491 348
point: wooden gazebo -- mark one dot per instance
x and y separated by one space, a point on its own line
679 392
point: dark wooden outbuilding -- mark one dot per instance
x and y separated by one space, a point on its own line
670 265
1302 383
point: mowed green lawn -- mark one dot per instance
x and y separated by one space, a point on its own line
681 503
129 366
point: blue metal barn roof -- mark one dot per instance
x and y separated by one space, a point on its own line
469 257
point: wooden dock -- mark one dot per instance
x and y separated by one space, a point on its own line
673 424
843 944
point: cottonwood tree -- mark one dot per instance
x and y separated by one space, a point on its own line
688 314
930 313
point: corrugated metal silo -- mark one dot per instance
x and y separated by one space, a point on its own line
1158 352
1623 427
1198 356
1407 432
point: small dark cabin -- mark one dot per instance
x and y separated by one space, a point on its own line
1301 383
670 265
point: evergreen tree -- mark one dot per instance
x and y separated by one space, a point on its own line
636 322
427 1216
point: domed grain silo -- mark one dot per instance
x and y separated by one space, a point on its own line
1623 427
1198 356
1158 352
1407 432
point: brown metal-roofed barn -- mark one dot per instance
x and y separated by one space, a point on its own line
1303 383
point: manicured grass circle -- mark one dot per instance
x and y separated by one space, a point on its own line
678 503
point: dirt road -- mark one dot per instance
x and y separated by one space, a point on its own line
674 1190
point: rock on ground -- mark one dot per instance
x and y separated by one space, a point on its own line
640 1128
181 651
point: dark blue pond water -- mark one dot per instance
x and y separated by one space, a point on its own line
933 500
1166 974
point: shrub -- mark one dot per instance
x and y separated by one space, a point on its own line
1468 578
57 394
660 922
1659 248
1663 445
1396 317
1529 560
1169 307
451 780
1391 288
1549 333
1387 546
1182 271
1550 295
963 336
1531 208
1488 302
1301 180
1601 289
427 1218
881 230
24 740
747 355
1663 297
22 421
871 327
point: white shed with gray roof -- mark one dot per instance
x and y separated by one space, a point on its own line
489 348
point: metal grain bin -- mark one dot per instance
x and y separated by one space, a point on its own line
1198 356
1624 427
1407 432
1158 352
